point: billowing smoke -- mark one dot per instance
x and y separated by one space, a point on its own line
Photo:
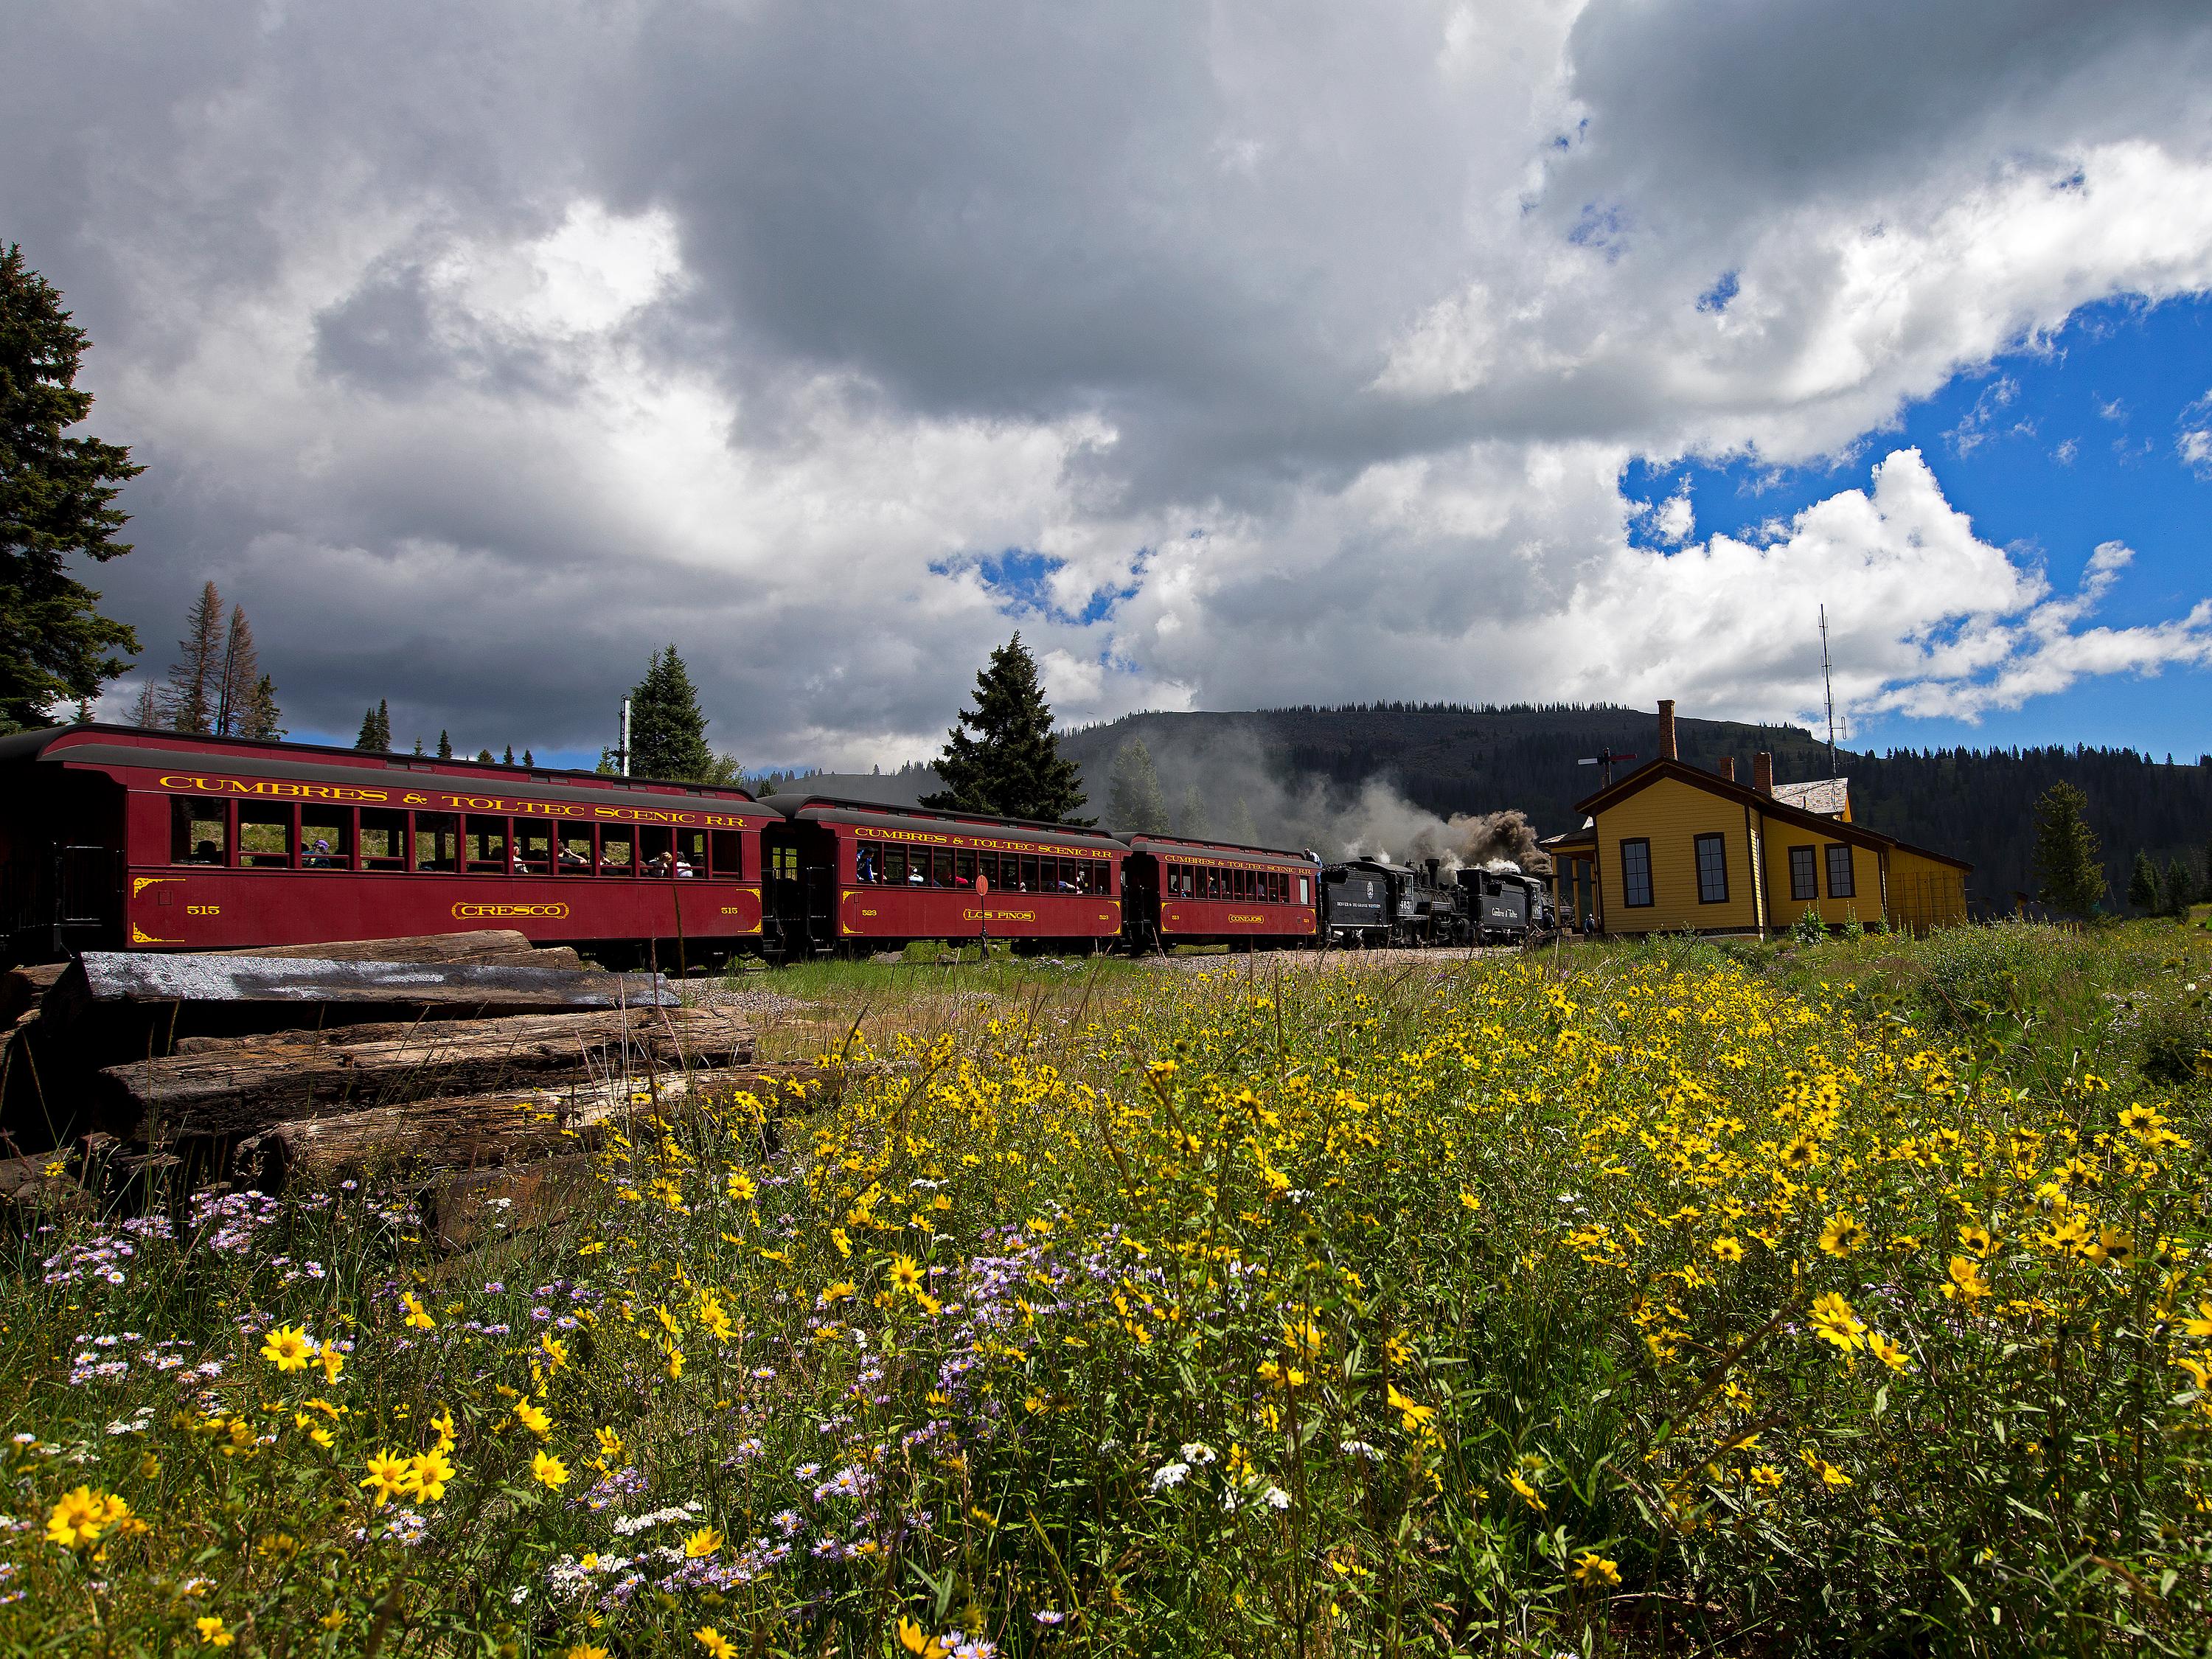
1230 784
1384 824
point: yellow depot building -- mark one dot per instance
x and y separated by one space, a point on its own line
1670 847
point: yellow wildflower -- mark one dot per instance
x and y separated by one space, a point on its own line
288 1348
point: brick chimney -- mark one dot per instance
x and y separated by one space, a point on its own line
1666 728
1762 772
1728 768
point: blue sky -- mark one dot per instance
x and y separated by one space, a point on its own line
2050 451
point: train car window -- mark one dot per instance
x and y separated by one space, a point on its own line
533 850
783 863
1304 891
691 852
963 869
657 854
574 855
726 848
264 835
437 842
986 869
940 868
484 846
199 831
383 839
1047 874
1029 873
1097 876
866 864
1215 887
618 852
893 867
326 838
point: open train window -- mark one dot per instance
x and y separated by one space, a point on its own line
576 856
727 850
326 838
485 844
691 852
533 850
890 861
199 831
1305 892
264 835
383 839
656 855
437 842
963 869
940 868
618 852
1028 877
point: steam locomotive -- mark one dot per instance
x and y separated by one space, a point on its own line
1370 902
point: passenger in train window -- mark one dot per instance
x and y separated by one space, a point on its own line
940 868
576 854
963 870
864 863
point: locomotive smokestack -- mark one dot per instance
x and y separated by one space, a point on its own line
1667 728
1728 768
1762 772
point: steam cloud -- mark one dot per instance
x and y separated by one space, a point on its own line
1238 781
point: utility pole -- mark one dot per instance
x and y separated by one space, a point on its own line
1828 690
623 753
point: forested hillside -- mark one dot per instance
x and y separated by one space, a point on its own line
1284 766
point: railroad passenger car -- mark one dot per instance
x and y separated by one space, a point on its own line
117 838
1203 892
846 875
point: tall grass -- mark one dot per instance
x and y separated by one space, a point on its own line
1615 1302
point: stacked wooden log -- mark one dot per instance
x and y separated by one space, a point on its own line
414 1059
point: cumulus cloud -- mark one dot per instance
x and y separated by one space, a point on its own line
1236 354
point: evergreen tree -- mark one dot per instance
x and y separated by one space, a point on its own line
261 717
2069 861
57 500
1190 823
667 732
2143 889
1241 828
418 748
1134 805
147 711
1002 757
508 758
2177 887
196 677
484 756
376 731
445 745
527 760
241 674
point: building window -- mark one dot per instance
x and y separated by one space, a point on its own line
1636 874
1712 869
1839 872
1804 879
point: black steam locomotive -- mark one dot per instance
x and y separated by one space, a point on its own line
1370 902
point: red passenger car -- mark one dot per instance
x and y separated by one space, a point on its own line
854 874
115 838
1194 892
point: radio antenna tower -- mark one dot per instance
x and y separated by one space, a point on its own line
1828 689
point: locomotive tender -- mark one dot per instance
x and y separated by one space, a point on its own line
119 838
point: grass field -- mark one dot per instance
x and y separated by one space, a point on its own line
1681 1299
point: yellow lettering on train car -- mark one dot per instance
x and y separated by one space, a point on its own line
526 912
